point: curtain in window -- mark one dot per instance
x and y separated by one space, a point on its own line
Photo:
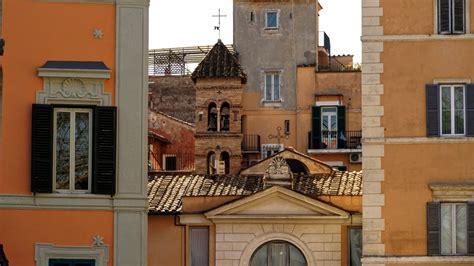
199 246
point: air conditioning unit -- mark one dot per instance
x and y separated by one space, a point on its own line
355 157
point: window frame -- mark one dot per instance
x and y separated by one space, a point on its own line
272 86
277 14
452 109
197 226
466 20
272 148
453 228
349 229
73 110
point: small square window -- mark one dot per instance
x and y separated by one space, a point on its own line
271 19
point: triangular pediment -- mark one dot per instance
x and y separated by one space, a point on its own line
277 203
312 165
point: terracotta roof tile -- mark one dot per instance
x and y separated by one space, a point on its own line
165 191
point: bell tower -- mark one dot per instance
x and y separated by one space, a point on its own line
219 81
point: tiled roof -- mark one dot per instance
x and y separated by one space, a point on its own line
219 63
165 191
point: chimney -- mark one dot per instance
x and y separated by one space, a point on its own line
278 173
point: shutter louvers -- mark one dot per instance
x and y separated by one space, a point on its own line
444 16
470 228
434 228
432 110
341 127
42 149
105 134
316 128
458 16
470 109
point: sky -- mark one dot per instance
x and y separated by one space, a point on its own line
178 23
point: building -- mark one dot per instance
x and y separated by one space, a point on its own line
218 83
297 94
417 102
73 170
275 214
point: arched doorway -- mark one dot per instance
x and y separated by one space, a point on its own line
226 159
278 253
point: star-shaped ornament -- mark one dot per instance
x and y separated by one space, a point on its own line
97 241
98 33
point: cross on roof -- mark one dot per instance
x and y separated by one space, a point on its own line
219 16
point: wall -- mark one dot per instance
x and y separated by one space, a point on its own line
57 227
179 133
166 244
174 96
22 58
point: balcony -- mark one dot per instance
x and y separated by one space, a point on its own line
251 144
337 141
176 162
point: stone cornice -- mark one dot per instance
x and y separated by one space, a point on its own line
460 191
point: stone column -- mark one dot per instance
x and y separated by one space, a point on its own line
130 202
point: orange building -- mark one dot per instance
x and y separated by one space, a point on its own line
418 123
73 132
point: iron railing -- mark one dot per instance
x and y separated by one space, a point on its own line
170 162
251 143
335 140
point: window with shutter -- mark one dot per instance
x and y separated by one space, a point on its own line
316 127
73 149
451 16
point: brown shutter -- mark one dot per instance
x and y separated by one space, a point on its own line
42 148
434 228
444 16
470 109
470 228
458 16
105 138
432 110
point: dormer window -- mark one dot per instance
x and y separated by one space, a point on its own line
271 19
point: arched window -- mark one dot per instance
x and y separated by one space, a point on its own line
225 117
278 253
297 167
212 117
226 159
211 163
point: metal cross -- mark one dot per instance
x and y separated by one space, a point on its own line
219 16
278 136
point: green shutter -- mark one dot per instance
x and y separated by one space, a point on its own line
434 228
316 128
341 127
444 16
432 110
458 16
42 148
470 228
470 110
105 138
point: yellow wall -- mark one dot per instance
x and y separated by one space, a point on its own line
165 241
35 32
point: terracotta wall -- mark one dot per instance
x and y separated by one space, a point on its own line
63 228
179 133
30 43
165 241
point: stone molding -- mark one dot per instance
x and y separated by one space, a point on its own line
418 260
418 37
45 252
420 140
462 191
373 199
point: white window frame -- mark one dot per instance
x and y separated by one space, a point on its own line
72 153
451 86
453 228
273 74
45 252
168 156
277 19
467 20
274 148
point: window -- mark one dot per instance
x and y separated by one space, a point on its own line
272 86
225 117
450 110
328 127
225 160
355 246
199 246
287 127
269 150
451 16
271 19
73 149
450 228
212 163
170 162
212 117
68 262
279 253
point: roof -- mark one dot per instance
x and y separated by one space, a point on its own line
219 63
155 133
165 192
91 65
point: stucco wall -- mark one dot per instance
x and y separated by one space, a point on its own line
320 243
165 241
181 135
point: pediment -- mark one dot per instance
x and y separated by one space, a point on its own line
313 166
277 203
